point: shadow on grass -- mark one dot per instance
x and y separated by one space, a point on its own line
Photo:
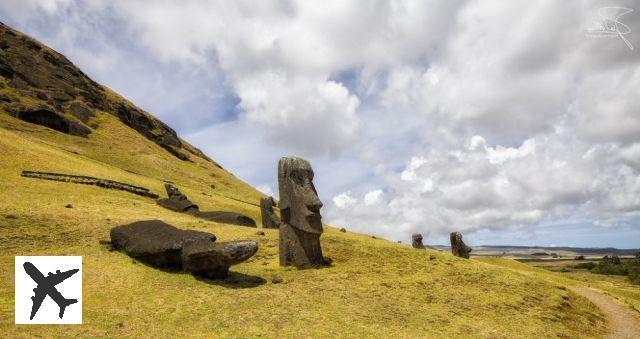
233 280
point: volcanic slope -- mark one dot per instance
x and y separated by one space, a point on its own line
53 118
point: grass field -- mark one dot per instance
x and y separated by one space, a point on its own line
375 288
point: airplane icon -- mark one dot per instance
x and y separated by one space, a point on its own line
46 286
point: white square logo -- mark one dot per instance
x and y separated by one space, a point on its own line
48 290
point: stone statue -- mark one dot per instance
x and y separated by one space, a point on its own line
177 201
300 211
458 247
269 218
164 246
416 241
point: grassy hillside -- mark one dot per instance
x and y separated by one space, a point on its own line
374 288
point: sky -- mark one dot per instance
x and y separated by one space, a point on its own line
512 122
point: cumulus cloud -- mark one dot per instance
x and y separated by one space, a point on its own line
418 116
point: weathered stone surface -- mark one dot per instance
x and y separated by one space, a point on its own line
225 218
416 241
269 218
47 78
212 260
300 210
47 117
155 242
177 201
458 247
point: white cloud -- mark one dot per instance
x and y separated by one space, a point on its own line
419 116
373 197
344 200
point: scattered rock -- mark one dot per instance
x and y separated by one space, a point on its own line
10 216
276 280
343 230
416 241
458 247
259 233
104 242
269 218
432 257
300 210
68 206
373 237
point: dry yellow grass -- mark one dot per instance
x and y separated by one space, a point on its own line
375 288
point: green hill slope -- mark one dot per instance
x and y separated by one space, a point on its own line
374 287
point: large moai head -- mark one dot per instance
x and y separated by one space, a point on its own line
458 247
416 240
299 201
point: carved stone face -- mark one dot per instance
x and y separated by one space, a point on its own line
299 202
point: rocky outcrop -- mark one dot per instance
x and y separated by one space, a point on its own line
41 86
84 180
164 246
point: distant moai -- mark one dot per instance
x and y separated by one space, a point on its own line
269 218
416 241
301 225
458 247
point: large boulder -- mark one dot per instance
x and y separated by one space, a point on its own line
156 242
458 247
212 260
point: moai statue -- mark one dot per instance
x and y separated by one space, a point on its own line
300 211
458 247
177 201
416 241
269 218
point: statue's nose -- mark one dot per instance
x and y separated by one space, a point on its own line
314 203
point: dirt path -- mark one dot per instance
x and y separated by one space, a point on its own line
621 321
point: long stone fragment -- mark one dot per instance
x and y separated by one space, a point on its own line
85 180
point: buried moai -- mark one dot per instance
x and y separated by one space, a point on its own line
300 210
416 241
458 247
177 201
269 218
